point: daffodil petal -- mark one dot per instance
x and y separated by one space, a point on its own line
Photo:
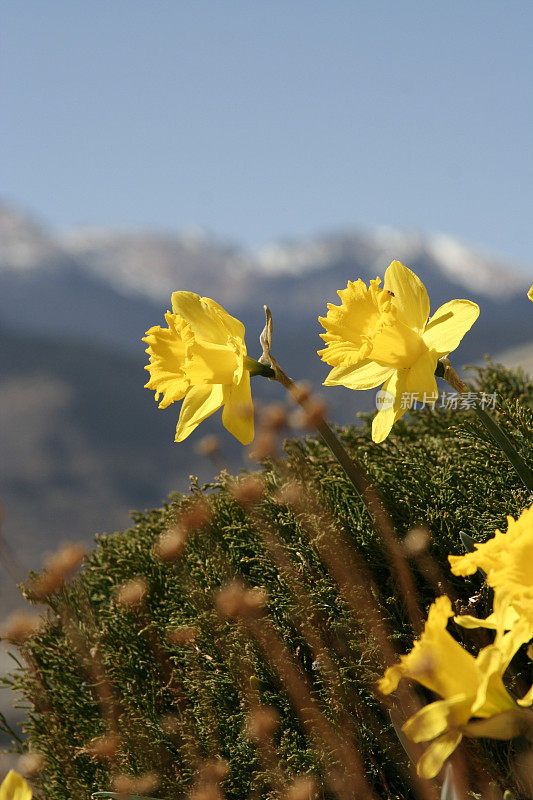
449 324
365 375
386 417
234 326
14 787
410 296
432 720
431 762
200 316
527 699
420 378
238 414
490 622
507 725
199 403
530 293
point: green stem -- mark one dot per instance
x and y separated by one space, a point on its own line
505 444
257 368
445 370
368 494
121 796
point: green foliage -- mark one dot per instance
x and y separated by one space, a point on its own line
436 470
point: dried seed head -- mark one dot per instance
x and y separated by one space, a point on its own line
312 415
104 748
275 417
67 559
135 784
416 542
197 515
262 723
170 724
247 491
171 544
208 446
132 594
30 764
183 635
302 391
303 787
208 791
264 446
291 494
20 625
57 567
235 601
214 771
44 585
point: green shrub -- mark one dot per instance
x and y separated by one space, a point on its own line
96 666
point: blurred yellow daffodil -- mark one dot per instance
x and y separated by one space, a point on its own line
530 293
469 687
200 358
507 560
383 335
14 787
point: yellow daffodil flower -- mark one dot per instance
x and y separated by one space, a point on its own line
14 787
385 336
507 560
200 358
469 687
530 293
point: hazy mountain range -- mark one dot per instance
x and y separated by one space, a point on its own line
83 442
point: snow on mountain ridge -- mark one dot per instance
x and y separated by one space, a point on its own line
152 265
24 244
459 262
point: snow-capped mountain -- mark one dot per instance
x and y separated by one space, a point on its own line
109 286
151 264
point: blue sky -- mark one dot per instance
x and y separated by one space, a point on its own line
264 119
